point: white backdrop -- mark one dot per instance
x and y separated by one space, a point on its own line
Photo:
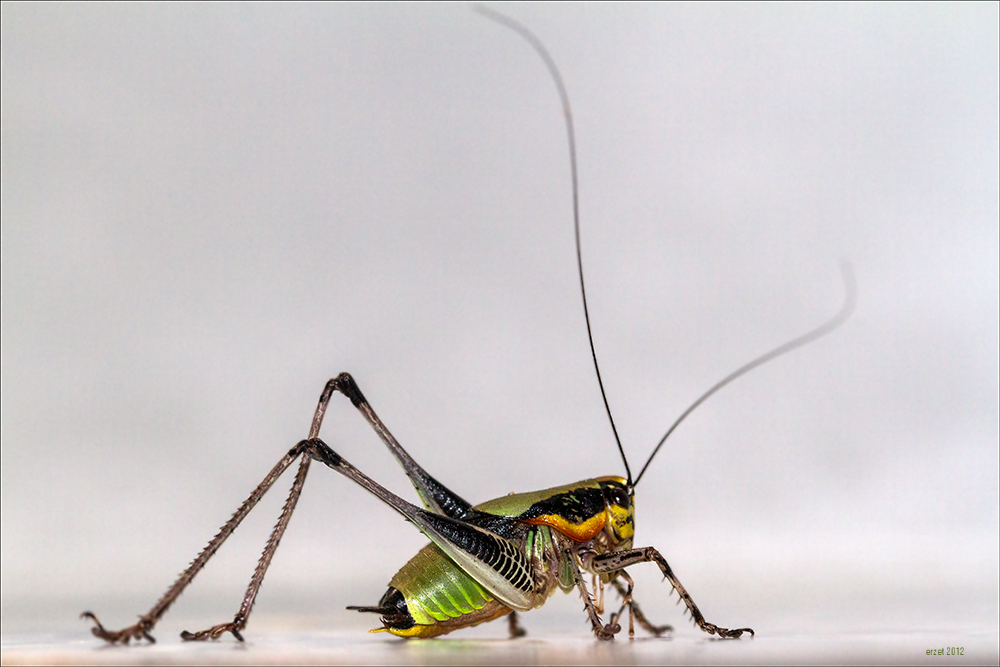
208 210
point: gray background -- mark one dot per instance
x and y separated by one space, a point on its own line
208 210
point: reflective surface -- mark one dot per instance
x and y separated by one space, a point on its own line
315 648
860 622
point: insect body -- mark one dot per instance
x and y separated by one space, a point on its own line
531 544
489 560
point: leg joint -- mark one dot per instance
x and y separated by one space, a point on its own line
317 449
346 385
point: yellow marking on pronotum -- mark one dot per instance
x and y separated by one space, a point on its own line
579 532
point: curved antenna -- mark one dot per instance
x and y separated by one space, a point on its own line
850 299
554 71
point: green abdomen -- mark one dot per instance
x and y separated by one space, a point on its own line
441 597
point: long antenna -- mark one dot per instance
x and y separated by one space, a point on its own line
554 71
850 299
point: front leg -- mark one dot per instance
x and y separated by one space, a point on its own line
614 562
607 632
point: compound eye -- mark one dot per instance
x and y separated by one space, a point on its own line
617 496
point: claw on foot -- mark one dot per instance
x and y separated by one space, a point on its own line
659 630
738 632
212 633
608 632
138 631
726 633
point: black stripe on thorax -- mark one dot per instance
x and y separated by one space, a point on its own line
575 506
